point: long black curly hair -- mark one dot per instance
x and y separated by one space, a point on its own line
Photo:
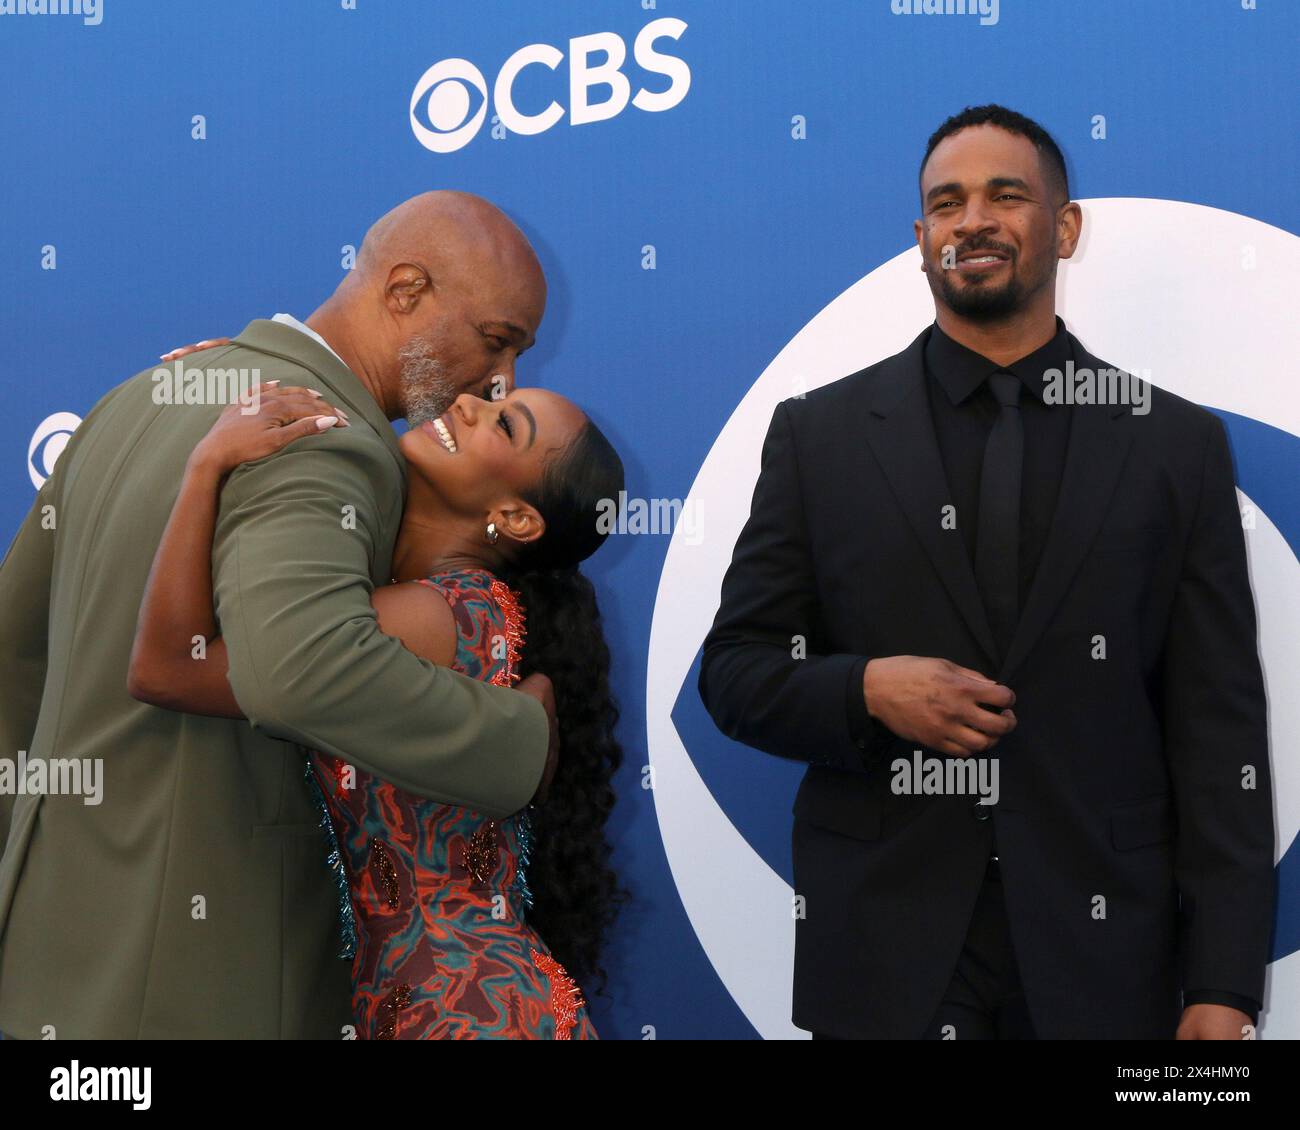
576 895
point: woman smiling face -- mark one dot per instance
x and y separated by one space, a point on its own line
482 455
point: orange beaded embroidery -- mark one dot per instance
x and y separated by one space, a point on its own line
566 997
505 596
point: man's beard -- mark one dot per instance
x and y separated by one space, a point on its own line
982 303
426 390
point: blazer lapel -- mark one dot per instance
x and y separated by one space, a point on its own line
901 435
1094 458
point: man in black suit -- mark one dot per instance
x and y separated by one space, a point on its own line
959 551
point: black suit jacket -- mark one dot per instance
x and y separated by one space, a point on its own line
1134 862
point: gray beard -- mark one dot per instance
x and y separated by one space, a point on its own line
426 390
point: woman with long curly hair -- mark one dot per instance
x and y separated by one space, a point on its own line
457 926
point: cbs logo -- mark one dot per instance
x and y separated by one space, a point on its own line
443 117
47 444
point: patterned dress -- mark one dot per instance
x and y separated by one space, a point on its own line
433 897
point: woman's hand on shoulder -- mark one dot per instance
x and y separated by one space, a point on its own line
197 347
263 421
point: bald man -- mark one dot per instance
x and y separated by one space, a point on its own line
187 893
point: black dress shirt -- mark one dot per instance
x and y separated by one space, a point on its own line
962 410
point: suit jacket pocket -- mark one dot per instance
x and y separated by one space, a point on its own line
1139 823
840 802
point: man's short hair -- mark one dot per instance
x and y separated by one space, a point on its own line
1049 153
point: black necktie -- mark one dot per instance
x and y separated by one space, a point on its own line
997 542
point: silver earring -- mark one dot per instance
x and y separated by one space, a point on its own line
492 533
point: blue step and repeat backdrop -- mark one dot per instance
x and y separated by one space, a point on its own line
722 195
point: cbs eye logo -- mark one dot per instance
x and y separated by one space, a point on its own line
443 99
48 441
443 114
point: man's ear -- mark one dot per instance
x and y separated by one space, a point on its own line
518 521
407 284
1069 228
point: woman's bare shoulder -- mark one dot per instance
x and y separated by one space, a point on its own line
418 614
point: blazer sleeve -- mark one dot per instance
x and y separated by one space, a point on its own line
1216 745
295 538
763 678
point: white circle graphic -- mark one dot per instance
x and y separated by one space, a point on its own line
1146 291
48 441
444 86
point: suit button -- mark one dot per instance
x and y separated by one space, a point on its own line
982 811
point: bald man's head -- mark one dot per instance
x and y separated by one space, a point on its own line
451 232
445 295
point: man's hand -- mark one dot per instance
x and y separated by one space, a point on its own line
1213 1022
936 703
186 350
538 686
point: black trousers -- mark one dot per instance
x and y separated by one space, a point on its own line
984 1000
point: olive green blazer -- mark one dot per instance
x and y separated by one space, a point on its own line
194 900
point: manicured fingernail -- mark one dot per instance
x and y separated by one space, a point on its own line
314 392
323 422
271 382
